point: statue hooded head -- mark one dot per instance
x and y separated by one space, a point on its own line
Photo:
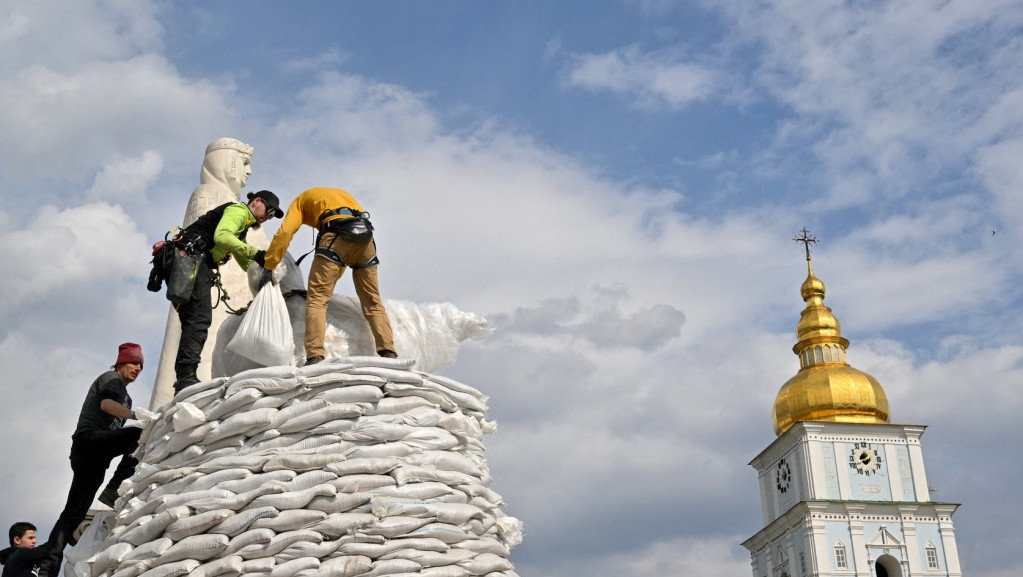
227 164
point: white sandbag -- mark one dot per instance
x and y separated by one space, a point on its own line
430 558
352 394
447 460
183 498
359 483
247 539
214 478
295 409
443 531
411 390
231 564
381 568
308 549
234 442
431 439
484 563
109 557
309 479
251 462
381 451
146 551
258 565
188 526
391 527
339 503
330 412
265 334
235 502
412 474
337 524
198 547
290 520
420 491
173 569
238 401
397 405
300 462
180 441
293 567
456 386
154 528
242 520
287 538
243 422
445 571
484 545
337 426
134 570
345 566
358 466
256 481
197 388
187 416
294 499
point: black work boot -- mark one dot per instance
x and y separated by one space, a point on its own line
388 354
108 497
313 360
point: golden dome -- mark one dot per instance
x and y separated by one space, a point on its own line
826 388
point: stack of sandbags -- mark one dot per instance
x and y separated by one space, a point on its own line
359 466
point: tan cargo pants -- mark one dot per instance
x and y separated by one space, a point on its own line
323 276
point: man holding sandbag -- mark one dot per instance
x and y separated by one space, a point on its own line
345 240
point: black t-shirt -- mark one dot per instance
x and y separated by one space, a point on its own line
107 386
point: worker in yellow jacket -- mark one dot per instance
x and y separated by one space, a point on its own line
345 240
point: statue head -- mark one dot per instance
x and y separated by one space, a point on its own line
227 163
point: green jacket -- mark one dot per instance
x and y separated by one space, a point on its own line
227 238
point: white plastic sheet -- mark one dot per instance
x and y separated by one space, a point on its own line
264 335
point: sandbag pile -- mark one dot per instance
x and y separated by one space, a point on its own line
351 467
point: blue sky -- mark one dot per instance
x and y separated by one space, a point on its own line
614 184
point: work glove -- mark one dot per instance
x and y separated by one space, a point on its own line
265 277
260 257
144 417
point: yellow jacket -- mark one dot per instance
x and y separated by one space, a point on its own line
306 209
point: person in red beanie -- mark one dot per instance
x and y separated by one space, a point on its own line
99 437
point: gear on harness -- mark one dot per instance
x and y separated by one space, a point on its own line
355 228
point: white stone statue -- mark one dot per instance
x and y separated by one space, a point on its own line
225 170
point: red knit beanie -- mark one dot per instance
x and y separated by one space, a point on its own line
129 353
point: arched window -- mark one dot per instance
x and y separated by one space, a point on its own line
931 554
841 561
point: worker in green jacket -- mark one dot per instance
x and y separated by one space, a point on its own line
220 236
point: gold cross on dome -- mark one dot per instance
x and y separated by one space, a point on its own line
806 239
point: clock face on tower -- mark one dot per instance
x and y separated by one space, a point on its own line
783 476
864 459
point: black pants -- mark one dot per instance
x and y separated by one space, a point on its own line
196 316
91 454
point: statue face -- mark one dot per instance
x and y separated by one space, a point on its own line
242 169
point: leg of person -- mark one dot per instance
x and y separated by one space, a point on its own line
196 316
368 291
88 468
121 442
323 275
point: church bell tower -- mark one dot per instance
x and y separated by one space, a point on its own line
843 490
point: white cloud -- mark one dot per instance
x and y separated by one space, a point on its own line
896 96
61 250
651 80
69 123
126 178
